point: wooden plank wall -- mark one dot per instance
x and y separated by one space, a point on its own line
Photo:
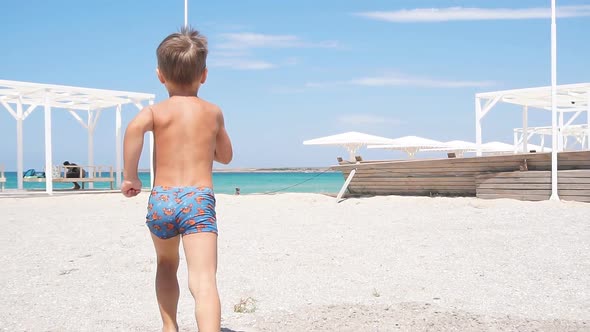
447 177
573 185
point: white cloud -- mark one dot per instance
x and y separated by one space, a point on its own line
245 40
241 64
398 80
367 119
418 82
474 14
236 50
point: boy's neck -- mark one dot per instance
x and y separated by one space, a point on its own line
186 91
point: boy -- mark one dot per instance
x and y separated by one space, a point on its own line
189 135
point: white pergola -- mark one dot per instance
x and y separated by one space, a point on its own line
578 132
571 99
14 95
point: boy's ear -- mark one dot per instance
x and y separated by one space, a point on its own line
160 77
204 76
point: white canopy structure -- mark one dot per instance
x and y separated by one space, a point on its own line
352 141
578 132
461 147
573 99
14 95
410 144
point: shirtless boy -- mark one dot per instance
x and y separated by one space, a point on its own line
189 134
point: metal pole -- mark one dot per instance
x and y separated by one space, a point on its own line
185 13
525 129
48 156
554 191
152 171
560 138
516 141
478 126
90 148
19 143
118 148
587 120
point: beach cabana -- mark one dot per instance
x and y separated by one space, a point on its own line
352 141
84 104
577 132
570 99
410 145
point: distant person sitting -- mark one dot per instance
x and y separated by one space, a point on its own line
237 191
74 172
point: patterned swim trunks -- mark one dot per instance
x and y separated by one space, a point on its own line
181 210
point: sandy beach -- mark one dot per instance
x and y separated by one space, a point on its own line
86 263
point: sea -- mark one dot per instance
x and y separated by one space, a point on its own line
226 182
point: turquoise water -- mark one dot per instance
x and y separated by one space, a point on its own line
225 183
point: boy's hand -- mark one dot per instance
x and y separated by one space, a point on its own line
131 188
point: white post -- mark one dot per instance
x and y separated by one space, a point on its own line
554 191
19 143
516 141
587 120
90 147
346 183
525 129
478 126
48 154
152 173
351 155
560 137
542 143
118 146
185 13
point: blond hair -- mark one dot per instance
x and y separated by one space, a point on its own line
182 56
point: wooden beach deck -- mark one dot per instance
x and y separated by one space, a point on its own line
518 176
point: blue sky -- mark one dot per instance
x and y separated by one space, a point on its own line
288 71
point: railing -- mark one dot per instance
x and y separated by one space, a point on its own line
89 172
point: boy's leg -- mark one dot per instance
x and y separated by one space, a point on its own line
167 290
201 256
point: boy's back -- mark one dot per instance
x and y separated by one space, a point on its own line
185 136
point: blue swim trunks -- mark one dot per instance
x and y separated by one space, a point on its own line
181 210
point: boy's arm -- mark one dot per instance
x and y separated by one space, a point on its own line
223 148
133 142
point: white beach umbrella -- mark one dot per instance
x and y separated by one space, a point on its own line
456 146
410 145
497 147
352 141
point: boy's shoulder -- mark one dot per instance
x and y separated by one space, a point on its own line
197 102
209 105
